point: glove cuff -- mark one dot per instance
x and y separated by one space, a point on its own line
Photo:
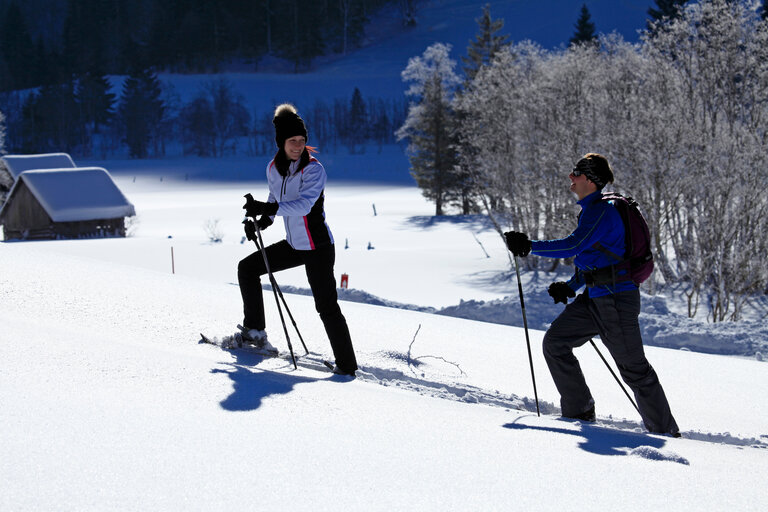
270 209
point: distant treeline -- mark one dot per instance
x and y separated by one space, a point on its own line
147 118
47 42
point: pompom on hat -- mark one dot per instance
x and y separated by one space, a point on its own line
288 124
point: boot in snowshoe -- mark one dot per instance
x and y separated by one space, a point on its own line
341 371
257 338
588 415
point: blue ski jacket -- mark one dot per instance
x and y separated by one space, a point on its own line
599 222
300 197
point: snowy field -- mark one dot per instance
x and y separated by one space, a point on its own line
109 402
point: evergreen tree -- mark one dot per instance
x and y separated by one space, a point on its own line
348 23
95 100
486 44
196 122
2 133
212 123
141 111
669 9
380 124
431 125
84 37
585 29
16 51
666 11
45 66
231 118
51 120
299 41
357 127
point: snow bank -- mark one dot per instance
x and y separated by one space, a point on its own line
660 327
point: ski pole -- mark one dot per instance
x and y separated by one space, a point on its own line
276 288
615 377
251 230
527 339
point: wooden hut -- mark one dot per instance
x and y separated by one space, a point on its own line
81 202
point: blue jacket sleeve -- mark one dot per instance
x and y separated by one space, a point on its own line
590 230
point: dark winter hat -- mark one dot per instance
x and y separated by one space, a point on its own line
596 168
288 124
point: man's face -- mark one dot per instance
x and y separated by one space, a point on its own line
581 186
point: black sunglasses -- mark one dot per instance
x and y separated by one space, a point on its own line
584 167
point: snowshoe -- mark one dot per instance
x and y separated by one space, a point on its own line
255 337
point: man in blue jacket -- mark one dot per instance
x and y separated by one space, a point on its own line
608 307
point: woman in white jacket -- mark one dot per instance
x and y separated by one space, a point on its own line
296 193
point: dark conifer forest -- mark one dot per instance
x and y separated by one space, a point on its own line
45 42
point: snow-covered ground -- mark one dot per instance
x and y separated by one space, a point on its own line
109 403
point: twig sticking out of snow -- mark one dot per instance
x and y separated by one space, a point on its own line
410 360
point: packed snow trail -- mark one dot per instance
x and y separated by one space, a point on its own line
412 378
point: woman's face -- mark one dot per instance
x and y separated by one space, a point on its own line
294 147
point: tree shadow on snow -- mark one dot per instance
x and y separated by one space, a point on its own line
596 439
471 222
250 385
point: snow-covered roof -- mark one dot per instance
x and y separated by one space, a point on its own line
17 164
84 193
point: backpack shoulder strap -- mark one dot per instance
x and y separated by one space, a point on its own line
605 197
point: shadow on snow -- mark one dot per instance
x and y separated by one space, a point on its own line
601 440
251 385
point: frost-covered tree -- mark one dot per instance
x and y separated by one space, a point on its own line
536 109
717 50
680 116
430 125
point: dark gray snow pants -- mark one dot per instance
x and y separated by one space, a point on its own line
614 318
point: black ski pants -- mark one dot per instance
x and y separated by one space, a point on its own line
614 318
319 267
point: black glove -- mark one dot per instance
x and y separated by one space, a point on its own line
250 229
255 208
264 222
560 291
518 243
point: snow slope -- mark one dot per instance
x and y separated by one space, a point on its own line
109 402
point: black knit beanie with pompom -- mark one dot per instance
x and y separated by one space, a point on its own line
288 124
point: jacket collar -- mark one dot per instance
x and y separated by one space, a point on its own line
594 196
